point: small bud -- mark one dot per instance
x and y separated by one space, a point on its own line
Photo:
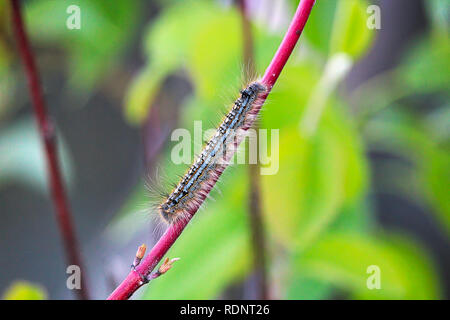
139 255
167 265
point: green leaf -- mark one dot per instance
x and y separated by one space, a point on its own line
285 104
350 33
343 259
317 176
197 43
141 93
168 38
439 12
169 43
301 288
213 60
320 24
355 217
24 290
413 141
94 48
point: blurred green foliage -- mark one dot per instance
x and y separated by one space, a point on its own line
93 49
22 157
24 290
339 259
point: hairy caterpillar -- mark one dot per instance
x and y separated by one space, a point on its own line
191 191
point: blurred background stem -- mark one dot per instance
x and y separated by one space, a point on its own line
255 208
48 137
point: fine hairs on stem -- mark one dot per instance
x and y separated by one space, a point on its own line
134 279
48 137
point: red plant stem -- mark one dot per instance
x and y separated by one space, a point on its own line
287 45
47 133
133 281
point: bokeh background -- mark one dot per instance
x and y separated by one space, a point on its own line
364 169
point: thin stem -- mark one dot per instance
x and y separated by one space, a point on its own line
255 208
335 70
287 45
257 230
134 281
47 133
